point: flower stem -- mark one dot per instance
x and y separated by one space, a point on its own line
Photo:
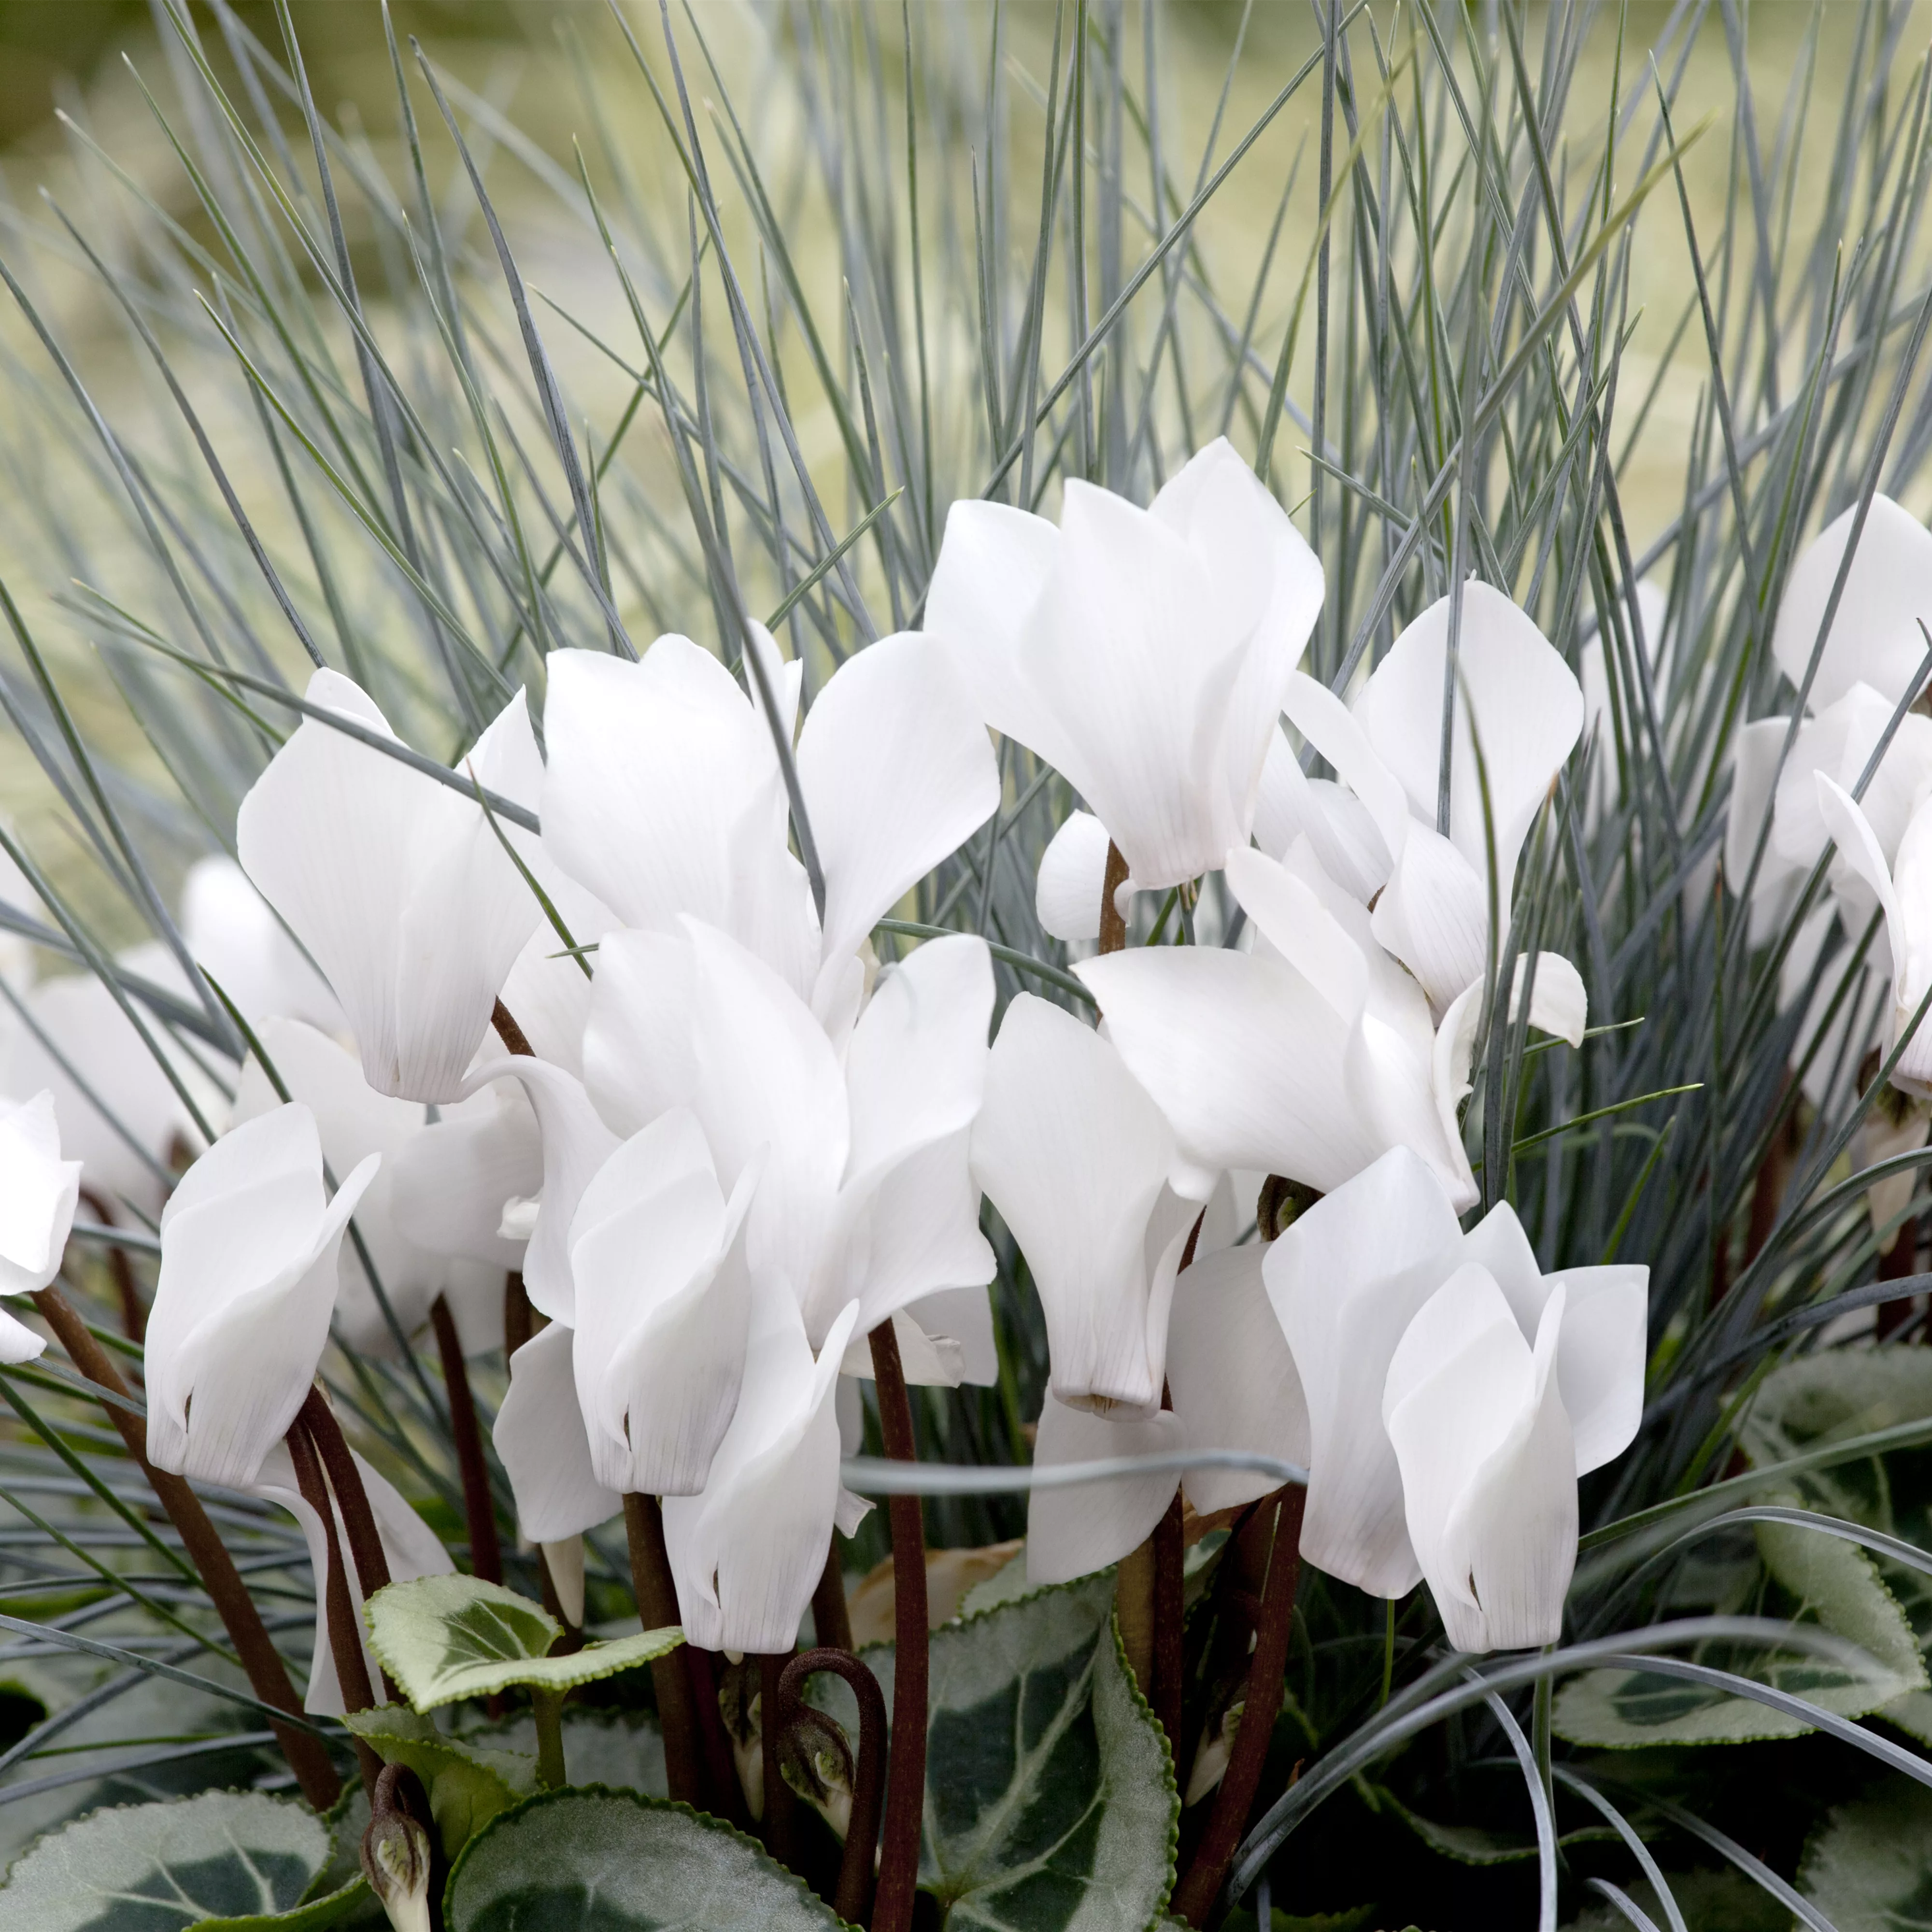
905 1790
365 1542
345 1637
268 1674
854 1899
134 1313
486 1555
831 1615
1170 1611
781 1801
547 1707
657 1606
513 1036
1113 926
519 1317
1134 1609
1194 1898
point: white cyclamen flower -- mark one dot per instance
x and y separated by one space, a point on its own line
747 1554
1904 891
1519 708
38 1193
398 886
664 797
249 1244
1142 653
865 1191
1314 1053
233 934
1084 1172
1463 1446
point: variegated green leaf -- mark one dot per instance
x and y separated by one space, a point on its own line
445 1637
1870 1869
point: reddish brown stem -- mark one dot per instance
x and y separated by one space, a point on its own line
853 1903
268 1674
134 1311
781 1801
905 1786
657 1607
1194 1898
365 1540
1170 1665
720 1768
831 1615
510 1034
1113 926
486 1555
345 1639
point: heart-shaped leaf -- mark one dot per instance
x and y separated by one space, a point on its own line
445 1637
622 1863
1870 1869
235 1859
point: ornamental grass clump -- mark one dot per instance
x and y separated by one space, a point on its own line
944 985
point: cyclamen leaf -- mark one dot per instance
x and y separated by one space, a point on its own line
237 1857
468 1783
441 1638
625 1863
1869 1870
1050 1800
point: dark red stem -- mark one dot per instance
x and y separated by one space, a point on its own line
365 1541
1113 926
657 1607
905 1786
781 1801
510 1034
853 1903
1194 1898
486 1555
134 1312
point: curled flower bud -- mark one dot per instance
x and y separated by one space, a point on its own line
396 1855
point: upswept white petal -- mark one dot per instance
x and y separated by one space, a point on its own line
548 992
1233 1381
540 1441
1135 639
233 933
1875 637
354 1120
747 1554
767 1078
449 1184
992 569
1245 1058
638 1057
1599 1357
1345 1279
247 1283
1072 1531
1288 911
1072 876
960 1321
1434 915
38 1194
1858 847
652 764
398 886
1339 827
1223 508
576 1144
1489 1472
663 1303
1340 736
409 1543
1076 1157
898 772
1529 713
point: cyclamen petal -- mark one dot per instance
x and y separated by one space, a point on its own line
1078 1160
747 1554
540 1441
241 1308
1072 876
398 886
38 1194
1072 1531
663 1300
